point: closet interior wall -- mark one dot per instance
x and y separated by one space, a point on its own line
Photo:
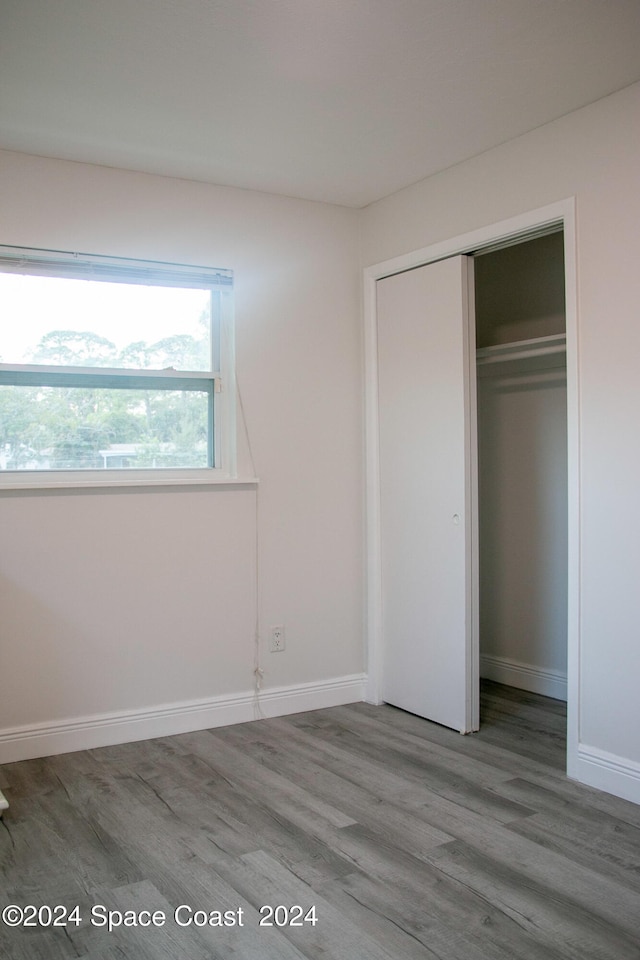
522 465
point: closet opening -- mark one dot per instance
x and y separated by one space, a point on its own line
520 322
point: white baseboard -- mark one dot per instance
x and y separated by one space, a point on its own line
101 730
549 683
608 772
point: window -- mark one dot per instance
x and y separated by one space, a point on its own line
113 365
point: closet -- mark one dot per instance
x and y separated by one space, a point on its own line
471 416
522 465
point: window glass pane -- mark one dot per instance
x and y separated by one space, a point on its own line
62 321
78 428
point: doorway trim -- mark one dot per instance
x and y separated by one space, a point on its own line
562 215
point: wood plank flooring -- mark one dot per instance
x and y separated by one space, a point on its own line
411 842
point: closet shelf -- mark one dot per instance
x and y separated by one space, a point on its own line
523 349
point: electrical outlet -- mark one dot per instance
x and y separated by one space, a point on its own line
277 643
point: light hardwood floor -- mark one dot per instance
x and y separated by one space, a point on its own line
411 841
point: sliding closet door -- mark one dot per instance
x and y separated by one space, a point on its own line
427 490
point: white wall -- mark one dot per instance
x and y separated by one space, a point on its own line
522 468
594 155
120 602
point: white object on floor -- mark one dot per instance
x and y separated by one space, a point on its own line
3 802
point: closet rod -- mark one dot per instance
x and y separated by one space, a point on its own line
522 349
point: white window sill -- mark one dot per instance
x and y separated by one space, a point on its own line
120 479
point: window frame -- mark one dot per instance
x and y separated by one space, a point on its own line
218 383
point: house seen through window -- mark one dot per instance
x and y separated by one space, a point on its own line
108 364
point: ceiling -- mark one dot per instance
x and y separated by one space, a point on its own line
343 101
